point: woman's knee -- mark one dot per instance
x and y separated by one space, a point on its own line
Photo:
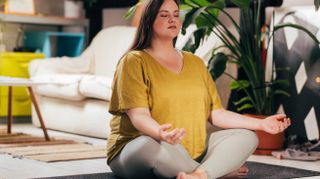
249 137
246 136
137 158
141 151
144 149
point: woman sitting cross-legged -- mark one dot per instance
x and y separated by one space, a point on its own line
161 101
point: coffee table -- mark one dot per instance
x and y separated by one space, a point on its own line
13 81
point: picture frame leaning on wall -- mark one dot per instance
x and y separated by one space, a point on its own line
19 7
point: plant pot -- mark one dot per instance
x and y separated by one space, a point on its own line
267 142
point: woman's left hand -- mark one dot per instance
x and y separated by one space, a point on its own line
275 124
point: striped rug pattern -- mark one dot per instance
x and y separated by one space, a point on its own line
21 145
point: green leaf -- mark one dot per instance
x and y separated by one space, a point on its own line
131 11
214 8
198 2
185 7
241 3
242 100
217 48
295 26
281 82
190 3
201 21
317 4
234 85
189 46
220 4
198 35
240 84
234 61
217 65
283 69
245 106
244 83
188 20
282 92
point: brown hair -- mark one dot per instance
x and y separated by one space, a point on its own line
144 32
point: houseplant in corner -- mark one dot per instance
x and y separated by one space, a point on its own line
248 53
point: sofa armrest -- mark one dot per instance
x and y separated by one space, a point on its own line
63 65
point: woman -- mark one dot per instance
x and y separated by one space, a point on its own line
161 101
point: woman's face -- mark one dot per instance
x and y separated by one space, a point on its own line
167 23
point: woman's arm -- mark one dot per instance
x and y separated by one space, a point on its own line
227 119
142 121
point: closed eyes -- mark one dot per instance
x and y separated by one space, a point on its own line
165 14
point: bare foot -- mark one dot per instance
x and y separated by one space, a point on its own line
240 173
197 174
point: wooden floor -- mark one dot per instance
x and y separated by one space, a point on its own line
14 168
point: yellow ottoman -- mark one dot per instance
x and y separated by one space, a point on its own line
15 64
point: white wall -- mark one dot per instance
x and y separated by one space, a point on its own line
287 3
115 16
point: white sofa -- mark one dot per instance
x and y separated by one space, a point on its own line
75 94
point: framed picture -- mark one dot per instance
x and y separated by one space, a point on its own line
19 7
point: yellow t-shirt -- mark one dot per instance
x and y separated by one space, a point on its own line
183 100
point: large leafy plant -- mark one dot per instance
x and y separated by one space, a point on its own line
247 51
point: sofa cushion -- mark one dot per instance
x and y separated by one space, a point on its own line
60 86
63 91
58 79
94 86
108 46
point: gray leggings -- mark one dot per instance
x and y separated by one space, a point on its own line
144 157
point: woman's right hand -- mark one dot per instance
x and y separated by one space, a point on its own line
172 137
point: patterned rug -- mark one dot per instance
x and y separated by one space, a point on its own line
21 145
256 171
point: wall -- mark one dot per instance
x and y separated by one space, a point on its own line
115 16
287 3
224 81
296 51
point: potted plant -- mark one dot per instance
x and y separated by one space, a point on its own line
247 52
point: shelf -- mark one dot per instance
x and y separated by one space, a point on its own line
44 20
47 20
66 43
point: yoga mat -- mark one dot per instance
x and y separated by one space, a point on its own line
257 171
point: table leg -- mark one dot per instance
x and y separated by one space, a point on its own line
36 107
9 117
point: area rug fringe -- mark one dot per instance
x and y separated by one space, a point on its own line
69 156
39 143
26 146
